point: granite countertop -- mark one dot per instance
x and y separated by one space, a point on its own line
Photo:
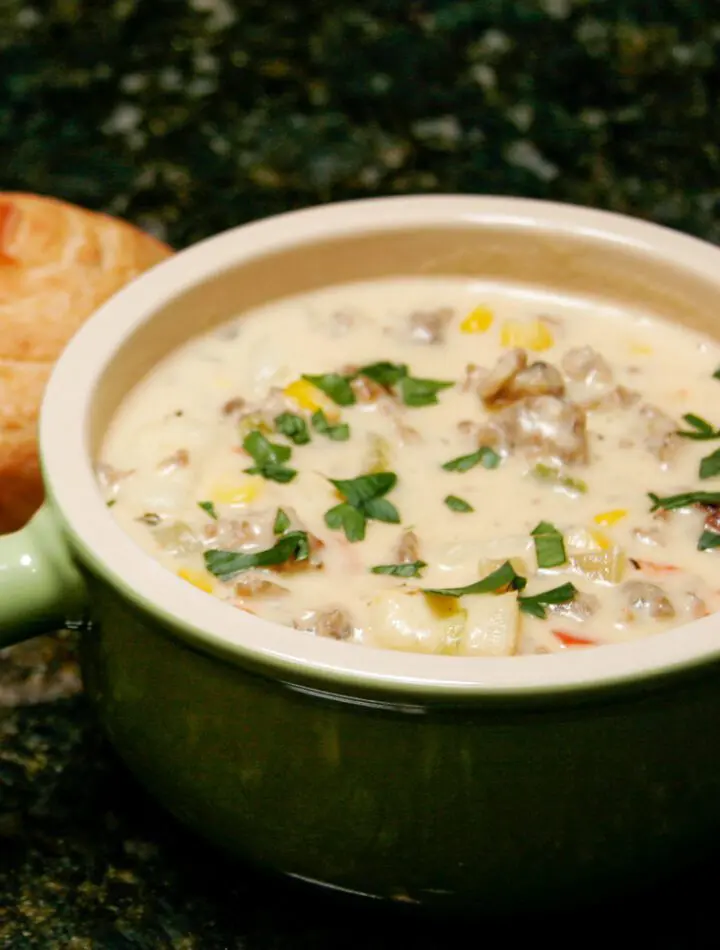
190 117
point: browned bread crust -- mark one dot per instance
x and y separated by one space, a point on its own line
58 263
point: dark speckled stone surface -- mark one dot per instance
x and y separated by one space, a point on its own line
190 117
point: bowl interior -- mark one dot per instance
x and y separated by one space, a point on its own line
582 265
559 249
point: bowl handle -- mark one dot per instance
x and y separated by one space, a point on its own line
40 588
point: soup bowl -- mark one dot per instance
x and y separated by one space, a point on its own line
437 780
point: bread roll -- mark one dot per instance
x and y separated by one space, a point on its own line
58 263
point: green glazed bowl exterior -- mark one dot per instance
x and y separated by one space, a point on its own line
443 805
437 780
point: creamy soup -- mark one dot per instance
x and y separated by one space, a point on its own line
436 465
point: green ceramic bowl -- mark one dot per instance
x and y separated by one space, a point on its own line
484 782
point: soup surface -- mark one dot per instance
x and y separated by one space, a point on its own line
436 465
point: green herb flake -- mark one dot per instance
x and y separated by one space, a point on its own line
209 508
554 476
710 465
484 456
113 501
421 392
351 520
358 491
685 500
549 545
400 570
701 429
458 504
293 427
269 458
321 424
335 386
281 523
504 578
363 501
536 604
385 374
716 374
708 541
293 546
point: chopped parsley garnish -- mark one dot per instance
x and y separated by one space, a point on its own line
401 570
716 374
364 501
281 523
209 508
503 579
113 501
335 386
709 540
385 374
293 427
549 545
421 392
351 520
710 465
269 458
484 456
458 504
413 392
701 429
684 500
293 546
553 475
338 433
537 603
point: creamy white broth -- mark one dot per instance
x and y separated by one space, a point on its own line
177 441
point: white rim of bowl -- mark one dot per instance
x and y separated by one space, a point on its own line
207 622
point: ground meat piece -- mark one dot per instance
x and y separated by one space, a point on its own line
645 600
493 383
695 606
538 379
550 426
179 459
474 375
712 520
496 434
110 477
367 390
408 549
254 585
580 608
428 326
619 397
233 406
584 364
332 622
661 436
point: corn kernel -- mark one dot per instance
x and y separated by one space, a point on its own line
641 349
198 579
531 334
309 397
601 539
607 518
478 320
240 493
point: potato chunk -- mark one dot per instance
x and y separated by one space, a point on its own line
408 620
492 625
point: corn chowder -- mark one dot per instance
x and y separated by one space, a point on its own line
435 465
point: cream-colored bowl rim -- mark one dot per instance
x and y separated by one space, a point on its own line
244 639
